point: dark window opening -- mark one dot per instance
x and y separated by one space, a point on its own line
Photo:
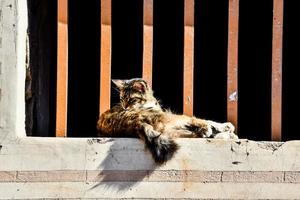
41 92
210 69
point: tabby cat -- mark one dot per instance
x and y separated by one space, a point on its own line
139 114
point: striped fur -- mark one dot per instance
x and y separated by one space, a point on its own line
139 114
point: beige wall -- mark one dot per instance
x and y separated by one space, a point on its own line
122 168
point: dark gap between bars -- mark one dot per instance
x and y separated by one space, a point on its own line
255 51
291 64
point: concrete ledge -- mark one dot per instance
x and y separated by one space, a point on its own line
47 154
122 167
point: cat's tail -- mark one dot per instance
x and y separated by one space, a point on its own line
162 148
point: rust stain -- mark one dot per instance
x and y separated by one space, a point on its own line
189 12
148 12
106 12
62 11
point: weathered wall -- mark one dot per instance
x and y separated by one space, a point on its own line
122 168
115 168
13 26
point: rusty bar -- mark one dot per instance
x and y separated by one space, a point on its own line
62 68
277 69
105 55
148 41
232 65
188 65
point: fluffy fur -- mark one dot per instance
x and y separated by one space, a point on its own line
139 114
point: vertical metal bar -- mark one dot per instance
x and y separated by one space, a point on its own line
148 41
62 69
188 73
232 65
277 69
105 57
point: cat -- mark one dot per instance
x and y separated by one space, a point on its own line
139 114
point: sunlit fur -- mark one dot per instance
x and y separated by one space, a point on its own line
139 114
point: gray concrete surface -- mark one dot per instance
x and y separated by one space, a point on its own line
115 168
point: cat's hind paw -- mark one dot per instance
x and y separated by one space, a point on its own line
226 136
222 127
228 127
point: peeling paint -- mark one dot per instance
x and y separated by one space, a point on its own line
233 96
272 146
99 140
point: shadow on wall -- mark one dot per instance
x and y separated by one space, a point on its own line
123 166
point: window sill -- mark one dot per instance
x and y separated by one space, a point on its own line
124 165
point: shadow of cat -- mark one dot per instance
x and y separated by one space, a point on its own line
125 165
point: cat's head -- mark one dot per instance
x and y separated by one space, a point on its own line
135 93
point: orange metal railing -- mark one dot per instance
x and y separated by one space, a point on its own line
62 68
188 65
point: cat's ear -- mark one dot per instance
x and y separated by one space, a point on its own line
119 83
140 86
